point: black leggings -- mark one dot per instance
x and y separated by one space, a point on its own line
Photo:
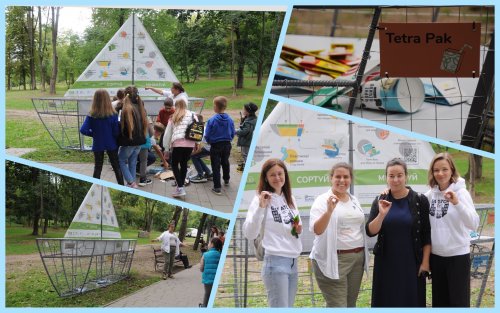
208 291
180 158
113 159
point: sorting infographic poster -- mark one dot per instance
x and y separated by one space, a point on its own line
310 143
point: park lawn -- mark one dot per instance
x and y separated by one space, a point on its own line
20 241
31 134
33 289
202 88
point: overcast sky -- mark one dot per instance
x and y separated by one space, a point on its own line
75 19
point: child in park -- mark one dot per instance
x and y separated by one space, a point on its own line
245 132
102 125
201 150
133 126
219 132
144 157
166 112
208 266
159 131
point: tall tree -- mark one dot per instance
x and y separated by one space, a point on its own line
30 30
201 226
42 47
182 229
55 25
149 208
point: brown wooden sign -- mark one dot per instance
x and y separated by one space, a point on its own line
429 49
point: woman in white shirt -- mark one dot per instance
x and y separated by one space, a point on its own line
452 216
339 252
176 92
275 207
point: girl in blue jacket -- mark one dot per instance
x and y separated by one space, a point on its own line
102 125
209 263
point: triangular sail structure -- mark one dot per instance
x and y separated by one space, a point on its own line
92 254
96 216
130 58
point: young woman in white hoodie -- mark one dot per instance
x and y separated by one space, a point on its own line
452 217
274 203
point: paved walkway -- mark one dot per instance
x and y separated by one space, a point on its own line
185 290
199 194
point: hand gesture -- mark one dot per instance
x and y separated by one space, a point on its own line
451 196
264 198
331 203
424 269
383 207
298 228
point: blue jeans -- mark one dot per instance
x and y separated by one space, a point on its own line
198 163
280 277
127 157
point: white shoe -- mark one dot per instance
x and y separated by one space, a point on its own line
179 192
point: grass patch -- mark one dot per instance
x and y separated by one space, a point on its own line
33 289
31 134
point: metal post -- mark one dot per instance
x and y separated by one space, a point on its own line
334 22
476 122
364 59
133 48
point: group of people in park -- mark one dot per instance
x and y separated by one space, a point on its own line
419 236
123 130
170 246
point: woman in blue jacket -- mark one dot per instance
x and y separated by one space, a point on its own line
209 264
102 125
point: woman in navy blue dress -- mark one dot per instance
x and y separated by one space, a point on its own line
400 218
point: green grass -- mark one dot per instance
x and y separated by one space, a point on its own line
202 88
33 289
30 133
20 241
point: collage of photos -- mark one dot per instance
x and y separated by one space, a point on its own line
275 156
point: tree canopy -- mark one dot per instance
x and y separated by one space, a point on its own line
194 42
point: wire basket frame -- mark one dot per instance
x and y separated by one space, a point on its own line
75 266
63 117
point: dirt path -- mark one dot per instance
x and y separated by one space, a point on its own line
143 262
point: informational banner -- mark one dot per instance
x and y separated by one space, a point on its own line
130 56
95 214
430 49
310 143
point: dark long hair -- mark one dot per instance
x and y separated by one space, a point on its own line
217 243
264 185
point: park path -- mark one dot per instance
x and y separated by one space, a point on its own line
185 290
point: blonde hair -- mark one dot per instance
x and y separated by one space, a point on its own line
220 102
454 172
132 98
180 111
101 104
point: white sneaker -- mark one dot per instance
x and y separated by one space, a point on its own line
179 192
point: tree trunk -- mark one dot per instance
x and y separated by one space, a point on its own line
30 28
240 61
55 22
182 230
45 225
478 170
260 62
148 214
233 60
177 215
200 231
42 44
472 176
35 172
